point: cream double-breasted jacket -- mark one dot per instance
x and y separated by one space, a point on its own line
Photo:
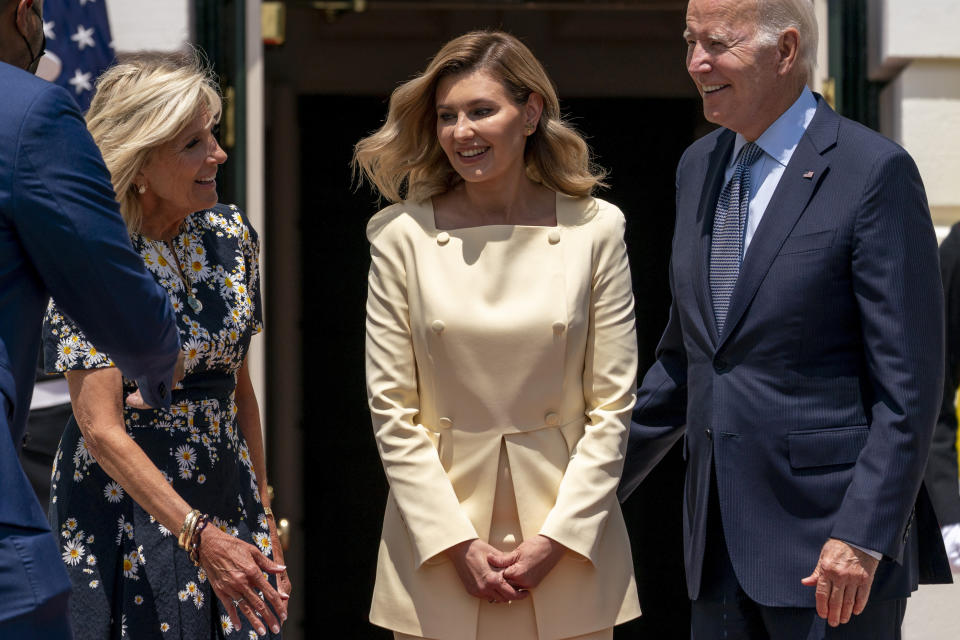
509 334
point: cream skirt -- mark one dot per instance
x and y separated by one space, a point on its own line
514 621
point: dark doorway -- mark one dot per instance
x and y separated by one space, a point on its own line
344 490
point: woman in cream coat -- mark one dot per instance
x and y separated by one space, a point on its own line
501 359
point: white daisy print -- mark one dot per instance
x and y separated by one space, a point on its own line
73 552
186 457
263 541
113 492
130 566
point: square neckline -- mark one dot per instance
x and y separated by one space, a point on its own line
556 215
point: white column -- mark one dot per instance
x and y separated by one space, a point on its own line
255 185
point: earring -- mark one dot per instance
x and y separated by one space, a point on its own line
141 189
529 129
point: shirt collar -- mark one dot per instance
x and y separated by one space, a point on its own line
782 137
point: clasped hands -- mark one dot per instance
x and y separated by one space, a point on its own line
843 577
498 576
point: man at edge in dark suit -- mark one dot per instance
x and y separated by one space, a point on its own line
803 356
60 233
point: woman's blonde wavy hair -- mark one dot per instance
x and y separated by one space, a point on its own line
141 103
403 159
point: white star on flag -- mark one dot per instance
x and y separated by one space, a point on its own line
83 37
48 30
81 81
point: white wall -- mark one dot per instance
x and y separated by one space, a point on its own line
914 47
149 25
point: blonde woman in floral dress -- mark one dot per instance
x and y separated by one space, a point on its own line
126 477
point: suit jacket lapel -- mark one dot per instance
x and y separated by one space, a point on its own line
715 161
789 200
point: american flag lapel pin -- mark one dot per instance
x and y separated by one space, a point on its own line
808 175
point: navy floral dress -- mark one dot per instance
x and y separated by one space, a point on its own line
130 579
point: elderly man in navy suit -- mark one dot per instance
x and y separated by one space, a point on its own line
60 233
803 356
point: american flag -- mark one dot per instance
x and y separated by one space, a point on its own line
79 46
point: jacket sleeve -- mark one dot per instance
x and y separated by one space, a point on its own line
941 476
418 483
896 282
70 226
587 491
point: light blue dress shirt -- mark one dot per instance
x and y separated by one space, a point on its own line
778 142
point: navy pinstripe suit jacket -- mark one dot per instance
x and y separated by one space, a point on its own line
817 403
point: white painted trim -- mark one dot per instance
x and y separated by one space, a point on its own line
255 200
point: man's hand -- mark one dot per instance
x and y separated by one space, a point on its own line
530 562
843 578
135 399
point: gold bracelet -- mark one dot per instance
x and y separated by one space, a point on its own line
267 511
188 524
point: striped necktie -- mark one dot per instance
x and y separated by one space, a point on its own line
729 223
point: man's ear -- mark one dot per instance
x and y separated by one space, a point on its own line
788 49
23 16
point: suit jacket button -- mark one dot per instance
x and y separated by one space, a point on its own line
446 423
552 419
720 365
559 327
443 238
162 389
554 236
438 326
709 433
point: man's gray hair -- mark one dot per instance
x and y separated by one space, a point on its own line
776 16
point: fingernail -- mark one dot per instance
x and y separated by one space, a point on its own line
283 567
283 616
261 631
276 628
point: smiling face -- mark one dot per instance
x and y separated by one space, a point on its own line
740 79
481 128
180 175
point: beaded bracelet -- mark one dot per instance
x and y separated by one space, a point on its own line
268 512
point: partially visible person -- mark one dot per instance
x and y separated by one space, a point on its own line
500 358
164 515
802 359
60 233
942 478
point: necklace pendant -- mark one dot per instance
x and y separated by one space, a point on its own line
195 304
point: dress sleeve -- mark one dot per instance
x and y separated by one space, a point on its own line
418 483
65 348
251 254
588 490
